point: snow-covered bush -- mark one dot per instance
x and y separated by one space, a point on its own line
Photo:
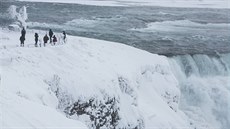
97 112
170 94
172 100
127 89
64 99
17 18
12 12
102 114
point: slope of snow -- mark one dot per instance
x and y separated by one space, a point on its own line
145 89
164 3
18 112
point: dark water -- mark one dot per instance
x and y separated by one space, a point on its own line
167 31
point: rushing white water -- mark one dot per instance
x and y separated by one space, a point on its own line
205 86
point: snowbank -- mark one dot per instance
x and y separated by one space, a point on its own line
18 112
48 80
164 3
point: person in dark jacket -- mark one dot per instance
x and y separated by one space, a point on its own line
54 39
45 39
36 39
51 35
22 39
64 36
23 32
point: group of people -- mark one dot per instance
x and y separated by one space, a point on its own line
52 38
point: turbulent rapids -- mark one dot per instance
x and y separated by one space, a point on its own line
204 83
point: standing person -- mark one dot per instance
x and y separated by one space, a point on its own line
64 36
22 39
51 35
54 39
36 39
40 42
23 32
45 39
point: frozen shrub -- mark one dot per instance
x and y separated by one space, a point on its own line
102 114
127 89
63 98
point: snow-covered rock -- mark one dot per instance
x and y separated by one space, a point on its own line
17 17
87 79
106 84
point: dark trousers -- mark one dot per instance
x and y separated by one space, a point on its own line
36 43
50 39
22 43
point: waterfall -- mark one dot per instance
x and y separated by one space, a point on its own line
205 89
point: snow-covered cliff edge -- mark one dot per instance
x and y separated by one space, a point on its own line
141 85
104 84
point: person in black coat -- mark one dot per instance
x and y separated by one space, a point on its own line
23 32
64 36
45 39
36 39
54 39
51 35
22 39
